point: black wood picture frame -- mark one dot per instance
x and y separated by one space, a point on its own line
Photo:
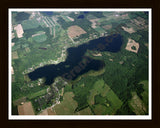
6 4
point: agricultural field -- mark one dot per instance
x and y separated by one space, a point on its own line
137 105
66 18
27 49
19 101
86 111
68 105
100 30
75 31
12 70
107 27
36 94
26 109
50 112
106 99
90 17
145 93
132 46
39 37
29 24
19 30
99 109
129 30
114 102
15 55
97 89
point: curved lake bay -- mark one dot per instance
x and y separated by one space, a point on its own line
76 62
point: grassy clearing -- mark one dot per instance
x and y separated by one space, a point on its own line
86 111
100 30
90 73
99 109
42 92
91 96
101 20
107 27
105 90
90 17
98 87
110 106
65 18
137 105
15 55
111 102
27 49
145 93
57 28
96 73
40 38
19 101
40 32
67 106
115 101
30 24
51 30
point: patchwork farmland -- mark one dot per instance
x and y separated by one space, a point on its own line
67 18
107 106
64 108
131 43
129 30
19 30
51 24
26 109
116 83
75 31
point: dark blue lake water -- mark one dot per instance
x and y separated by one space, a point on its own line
48 13
85 12
146 12
80 17
76 62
